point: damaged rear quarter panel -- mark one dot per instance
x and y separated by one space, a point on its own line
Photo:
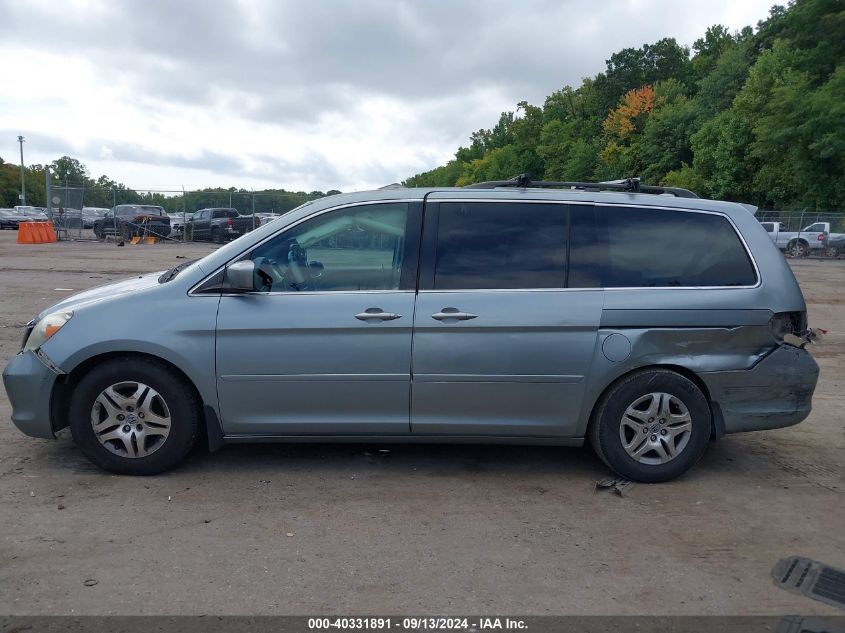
698 340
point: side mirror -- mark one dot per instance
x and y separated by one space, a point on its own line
241 275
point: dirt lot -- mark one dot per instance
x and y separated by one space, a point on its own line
454 529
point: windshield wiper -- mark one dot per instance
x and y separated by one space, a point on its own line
170 274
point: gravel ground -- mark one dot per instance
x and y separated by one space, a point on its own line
273 529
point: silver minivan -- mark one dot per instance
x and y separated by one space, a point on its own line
647 323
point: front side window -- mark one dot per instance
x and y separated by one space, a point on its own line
356 248
494 245
624 247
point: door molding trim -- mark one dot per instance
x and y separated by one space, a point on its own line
521 378
315 377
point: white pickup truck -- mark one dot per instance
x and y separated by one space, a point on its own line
815 237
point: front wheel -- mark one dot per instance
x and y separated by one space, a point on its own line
651 426
832 251
134 416
127 232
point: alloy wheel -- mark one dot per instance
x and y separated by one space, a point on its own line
655 428
130 419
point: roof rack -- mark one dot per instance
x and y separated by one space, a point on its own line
630 185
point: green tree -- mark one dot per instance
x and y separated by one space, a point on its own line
70 170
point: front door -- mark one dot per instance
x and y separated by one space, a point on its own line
323 346
501 346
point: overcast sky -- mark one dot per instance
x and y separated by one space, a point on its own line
300 94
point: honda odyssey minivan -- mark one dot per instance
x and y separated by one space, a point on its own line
642 320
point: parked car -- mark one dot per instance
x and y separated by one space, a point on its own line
264 218
85 218
32 214
91 214
67 218
9 219
129 220
218 225
801 243
501 314
836 245
177 221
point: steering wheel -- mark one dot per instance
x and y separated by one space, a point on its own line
299 274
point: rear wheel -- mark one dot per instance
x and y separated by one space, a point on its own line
798 248
651 426
134 416
216 236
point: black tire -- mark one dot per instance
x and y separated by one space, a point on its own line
216 236
607 423
126 232
180 398
832 252
98 231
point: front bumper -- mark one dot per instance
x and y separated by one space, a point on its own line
775 393
29 384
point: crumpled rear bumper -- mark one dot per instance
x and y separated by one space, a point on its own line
776 392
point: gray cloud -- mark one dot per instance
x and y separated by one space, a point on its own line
293 56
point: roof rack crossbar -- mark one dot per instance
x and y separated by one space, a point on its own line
631 185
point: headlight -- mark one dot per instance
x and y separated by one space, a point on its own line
46 328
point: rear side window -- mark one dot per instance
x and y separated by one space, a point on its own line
769 226
637 247
492 245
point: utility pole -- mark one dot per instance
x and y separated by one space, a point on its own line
48 182
23 179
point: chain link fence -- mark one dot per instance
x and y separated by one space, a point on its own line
80 213
801 233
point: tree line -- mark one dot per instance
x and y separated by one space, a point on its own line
105 192
753 116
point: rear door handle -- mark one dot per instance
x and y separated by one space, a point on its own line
377 314
453 313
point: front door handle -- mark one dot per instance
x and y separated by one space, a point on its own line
377 314
453 313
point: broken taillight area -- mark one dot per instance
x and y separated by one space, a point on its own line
791 328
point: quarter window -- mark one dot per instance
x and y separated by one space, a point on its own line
356 248
626 247
500 246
